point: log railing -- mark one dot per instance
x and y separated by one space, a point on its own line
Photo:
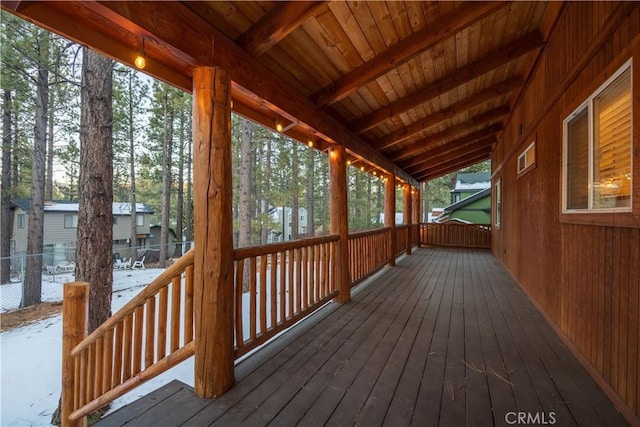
147 336
456 234
401 238
278 284
368 252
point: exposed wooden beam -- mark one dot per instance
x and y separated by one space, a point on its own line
448 113
453 150
202 44
442 137
283 19
430 174
52 19
453 154
493 60
446 26
11 4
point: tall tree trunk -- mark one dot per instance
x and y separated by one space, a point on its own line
180 202
367 208
94 262
166 179
244 202
48 190
32 288
133 240
266 201
325 197
379 202
189 209
6 218
295 191
311 179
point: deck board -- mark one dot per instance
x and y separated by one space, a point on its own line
444 338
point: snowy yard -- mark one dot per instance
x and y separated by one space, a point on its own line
31 355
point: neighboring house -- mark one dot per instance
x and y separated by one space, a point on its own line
474 209
468 184
281 222
61 223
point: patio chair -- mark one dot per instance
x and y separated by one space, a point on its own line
138 264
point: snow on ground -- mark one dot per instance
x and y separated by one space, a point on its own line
31 362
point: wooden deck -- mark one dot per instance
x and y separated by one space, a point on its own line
444 338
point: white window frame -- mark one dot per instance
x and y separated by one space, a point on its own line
529 159
588 103
497 215
74 221
21 221
140 220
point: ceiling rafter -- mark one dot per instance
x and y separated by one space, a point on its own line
444 150
433 119
282 20
446 26
491 61
204 45
453 154
441 138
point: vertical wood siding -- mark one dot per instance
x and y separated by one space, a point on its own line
585 277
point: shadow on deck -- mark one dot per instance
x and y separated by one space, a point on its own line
444 338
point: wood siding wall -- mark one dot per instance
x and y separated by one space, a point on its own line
584 273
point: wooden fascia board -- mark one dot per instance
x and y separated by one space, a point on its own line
446 26
54 20
429 174
454 153
283 19
189 35
491 61
454 132
448 151
473 101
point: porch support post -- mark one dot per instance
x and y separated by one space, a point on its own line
390 214
417 214
213 261
338 219
407 215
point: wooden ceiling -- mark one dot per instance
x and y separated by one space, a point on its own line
419 89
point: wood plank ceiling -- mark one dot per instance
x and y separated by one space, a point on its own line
419 89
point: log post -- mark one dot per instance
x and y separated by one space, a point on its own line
407 215
213 255
338 223
75 311
390 215
417 214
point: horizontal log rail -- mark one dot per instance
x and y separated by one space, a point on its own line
456 234
149 335
368 252
278 284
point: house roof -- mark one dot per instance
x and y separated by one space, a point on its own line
418 89
468 200
473 181
119 208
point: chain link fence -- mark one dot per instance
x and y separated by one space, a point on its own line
33 279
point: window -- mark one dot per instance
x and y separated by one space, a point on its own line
498 196
598 149
139 220
70 220
21 220
527 159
